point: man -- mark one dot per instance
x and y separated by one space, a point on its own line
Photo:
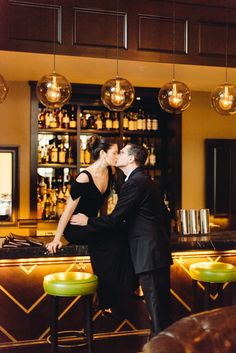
141 207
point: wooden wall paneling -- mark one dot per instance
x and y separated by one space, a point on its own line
37 25
151 29
209 31
98 28
88 28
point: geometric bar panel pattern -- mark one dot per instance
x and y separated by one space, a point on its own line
25 308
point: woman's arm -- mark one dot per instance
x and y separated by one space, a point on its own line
56 244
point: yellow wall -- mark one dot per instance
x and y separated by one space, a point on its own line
198 123
15 130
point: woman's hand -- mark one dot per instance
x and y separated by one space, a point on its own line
79 219
53 246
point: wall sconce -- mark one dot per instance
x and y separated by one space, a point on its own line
3 89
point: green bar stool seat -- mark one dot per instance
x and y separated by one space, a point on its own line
211 272
70 284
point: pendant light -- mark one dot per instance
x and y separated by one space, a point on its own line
117 94
53 90
3 89
223 98
174 96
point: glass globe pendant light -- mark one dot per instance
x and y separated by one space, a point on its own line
175 96
53 90
223 98
117 94
3 89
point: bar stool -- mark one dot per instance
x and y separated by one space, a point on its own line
211 272
70 284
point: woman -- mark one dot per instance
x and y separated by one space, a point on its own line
109 253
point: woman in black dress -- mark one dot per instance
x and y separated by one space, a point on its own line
109 253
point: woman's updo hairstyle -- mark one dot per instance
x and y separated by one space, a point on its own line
95 144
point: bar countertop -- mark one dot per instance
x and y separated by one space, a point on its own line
218 241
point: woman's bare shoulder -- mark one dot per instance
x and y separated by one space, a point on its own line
82 178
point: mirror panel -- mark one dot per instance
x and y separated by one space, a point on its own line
9 185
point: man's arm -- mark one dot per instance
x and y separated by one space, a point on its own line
128 201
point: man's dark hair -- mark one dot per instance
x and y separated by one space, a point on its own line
139 153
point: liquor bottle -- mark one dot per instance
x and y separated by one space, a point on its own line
53 121
47 119
92 122
72 123
83 121
155 124
62 154
54 154
144 121
115 122
125 121
70 158
108 121
87 156
39 154
82 161
152 156
149 123
66 121
140 121
98 122
40 119
60 118
131 122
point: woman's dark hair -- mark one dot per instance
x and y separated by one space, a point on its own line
95 144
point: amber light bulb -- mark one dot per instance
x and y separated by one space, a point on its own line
53 91
175 98
118 96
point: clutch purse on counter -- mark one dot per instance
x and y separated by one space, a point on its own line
17 241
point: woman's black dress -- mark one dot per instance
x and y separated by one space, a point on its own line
109 251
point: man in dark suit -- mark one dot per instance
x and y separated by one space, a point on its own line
140 206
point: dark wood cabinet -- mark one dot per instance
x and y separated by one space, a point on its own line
164 143
221 178
88 28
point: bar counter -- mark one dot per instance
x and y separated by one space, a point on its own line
217 241
24 301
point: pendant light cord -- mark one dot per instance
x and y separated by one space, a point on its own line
117 37
226 51
173 39
54 38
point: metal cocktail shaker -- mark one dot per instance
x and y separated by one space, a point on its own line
182 222
204 221
193 221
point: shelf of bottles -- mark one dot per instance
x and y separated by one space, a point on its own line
56 159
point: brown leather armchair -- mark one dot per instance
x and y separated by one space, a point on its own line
211 331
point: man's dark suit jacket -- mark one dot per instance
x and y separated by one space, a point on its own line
140 207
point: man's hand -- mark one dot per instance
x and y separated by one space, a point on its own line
79 219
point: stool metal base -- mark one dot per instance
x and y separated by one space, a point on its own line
70 335
207 292
88 332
